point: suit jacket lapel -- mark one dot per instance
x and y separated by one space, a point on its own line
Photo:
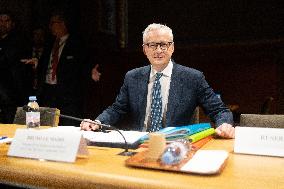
142 91
142 86
175 93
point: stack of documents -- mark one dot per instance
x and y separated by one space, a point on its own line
114 138
193 132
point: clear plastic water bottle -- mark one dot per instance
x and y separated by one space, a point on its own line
33 114
175 152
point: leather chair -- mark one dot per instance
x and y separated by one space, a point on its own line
48 116
258 120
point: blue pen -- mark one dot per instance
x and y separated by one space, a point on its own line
3 137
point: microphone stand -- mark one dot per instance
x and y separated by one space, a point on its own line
125 152
102 127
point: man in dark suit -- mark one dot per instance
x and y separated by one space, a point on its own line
181 90
14 86
60 70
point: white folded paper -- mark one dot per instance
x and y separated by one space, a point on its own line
206 162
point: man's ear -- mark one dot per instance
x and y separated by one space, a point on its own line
173 47
144 51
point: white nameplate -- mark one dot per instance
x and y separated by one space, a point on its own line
259 141
55 145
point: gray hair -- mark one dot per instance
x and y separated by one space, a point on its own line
153 27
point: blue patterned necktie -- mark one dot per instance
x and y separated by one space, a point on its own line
156 105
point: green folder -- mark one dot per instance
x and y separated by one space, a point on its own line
201 135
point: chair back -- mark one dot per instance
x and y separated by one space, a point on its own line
48 116
258 120
195 116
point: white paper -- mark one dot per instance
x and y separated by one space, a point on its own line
114 136
6 140
111 136
206 161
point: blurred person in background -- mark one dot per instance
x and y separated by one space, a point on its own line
14 84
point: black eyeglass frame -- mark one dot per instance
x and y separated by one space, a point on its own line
163 45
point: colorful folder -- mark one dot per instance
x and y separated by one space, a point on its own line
174 133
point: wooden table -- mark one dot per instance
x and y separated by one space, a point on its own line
105 169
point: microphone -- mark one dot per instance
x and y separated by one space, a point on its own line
103 127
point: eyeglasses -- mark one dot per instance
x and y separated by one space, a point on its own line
163 45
